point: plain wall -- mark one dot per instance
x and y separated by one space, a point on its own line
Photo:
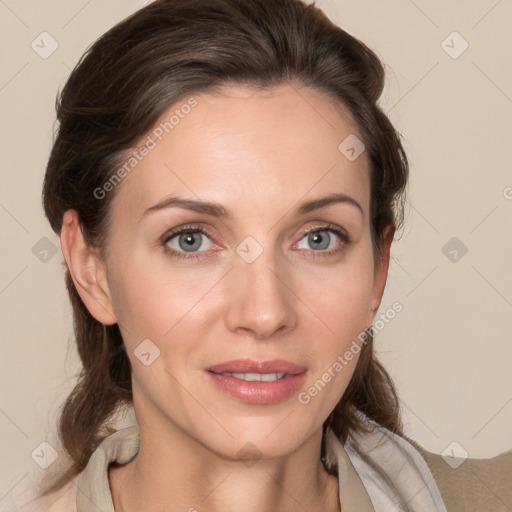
449 350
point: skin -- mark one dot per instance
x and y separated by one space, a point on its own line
259 154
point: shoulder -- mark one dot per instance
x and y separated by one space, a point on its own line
468 485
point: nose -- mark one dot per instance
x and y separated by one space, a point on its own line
260 295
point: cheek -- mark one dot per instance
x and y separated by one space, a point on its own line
154 299
340 295
341 303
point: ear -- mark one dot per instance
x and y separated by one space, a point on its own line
86 269
381 270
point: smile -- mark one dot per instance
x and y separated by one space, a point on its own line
257 382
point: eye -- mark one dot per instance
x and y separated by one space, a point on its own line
325 240
187 242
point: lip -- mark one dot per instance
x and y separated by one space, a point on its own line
258 392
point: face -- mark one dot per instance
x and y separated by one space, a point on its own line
255 284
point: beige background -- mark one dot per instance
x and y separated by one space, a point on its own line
449 350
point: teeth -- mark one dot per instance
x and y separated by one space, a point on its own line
270 377
256 377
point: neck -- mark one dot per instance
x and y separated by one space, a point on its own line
173 472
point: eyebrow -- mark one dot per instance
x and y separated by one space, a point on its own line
217 210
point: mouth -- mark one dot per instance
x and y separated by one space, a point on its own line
258 382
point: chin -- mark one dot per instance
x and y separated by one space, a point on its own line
261 437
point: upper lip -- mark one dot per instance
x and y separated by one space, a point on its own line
252 366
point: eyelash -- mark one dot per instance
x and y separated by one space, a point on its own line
190 228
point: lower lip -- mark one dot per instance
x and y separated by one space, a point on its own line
259 392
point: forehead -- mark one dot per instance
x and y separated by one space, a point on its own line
247 148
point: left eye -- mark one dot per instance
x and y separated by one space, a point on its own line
320 239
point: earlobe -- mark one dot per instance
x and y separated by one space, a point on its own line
86 269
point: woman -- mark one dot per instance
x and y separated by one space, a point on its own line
226 191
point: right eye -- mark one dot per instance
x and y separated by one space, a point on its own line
186 240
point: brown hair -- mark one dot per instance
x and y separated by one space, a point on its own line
114 96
